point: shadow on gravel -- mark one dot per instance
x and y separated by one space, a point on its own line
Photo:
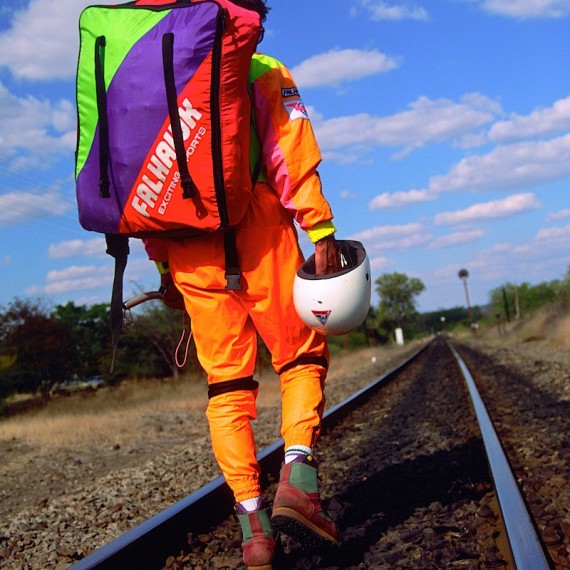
390 497
531 401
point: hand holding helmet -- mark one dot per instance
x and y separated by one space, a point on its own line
171 296
337 302
326 256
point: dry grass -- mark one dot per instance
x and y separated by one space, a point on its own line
120 415
109 416
549 325
113 416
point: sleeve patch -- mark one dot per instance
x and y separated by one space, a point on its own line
296 109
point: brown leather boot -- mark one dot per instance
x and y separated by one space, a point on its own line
297 510
258 538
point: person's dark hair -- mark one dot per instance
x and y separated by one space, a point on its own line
257 5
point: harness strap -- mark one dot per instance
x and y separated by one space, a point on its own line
118 248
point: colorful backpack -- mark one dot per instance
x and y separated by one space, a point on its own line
164 116
164 119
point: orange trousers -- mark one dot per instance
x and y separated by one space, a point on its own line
225 325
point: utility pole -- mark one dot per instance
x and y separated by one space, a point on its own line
463 274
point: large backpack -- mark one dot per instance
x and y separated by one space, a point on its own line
164 118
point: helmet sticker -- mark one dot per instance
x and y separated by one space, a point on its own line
322 316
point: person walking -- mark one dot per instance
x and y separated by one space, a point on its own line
226 323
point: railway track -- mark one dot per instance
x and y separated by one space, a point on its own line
410 476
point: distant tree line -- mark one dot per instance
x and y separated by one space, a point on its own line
513 301
41 346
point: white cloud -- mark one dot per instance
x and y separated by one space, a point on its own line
19 207
555 118
74 278
510 206
426 120
528 8
456 238
379 262
397 200
545 254
78 248
388 231
33 132
385 238
560 234
379 11
560 215
42 43
95 278
348 195
339 66
508 166
516 165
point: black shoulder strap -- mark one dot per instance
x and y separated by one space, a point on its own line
118 248
233 272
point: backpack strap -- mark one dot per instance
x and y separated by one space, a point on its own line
188 185
233 272
232 261
103 118
117 247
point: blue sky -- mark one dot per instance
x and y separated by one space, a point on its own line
444 127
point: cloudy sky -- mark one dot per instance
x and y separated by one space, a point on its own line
444 127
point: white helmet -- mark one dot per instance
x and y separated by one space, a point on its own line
337 303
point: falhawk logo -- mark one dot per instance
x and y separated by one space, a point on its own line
322 316
289 92
296 109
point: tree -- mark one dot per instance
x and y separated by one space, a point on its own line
530 297
91 334
38 348
153 345
447 319
397 305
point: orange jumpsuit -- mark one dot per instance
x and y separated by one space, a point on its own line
225 323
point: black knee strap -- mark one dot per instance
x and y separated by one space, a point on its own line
247 383
315 360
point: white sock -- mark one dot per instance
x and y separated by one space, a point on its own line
295 450
251 505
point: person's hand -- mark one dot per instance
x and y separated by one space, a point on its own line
327 260
171 296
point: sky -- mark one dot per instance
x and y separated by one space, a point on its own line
444 127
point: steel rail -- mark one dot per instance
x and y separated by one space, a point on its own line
526 547
149 544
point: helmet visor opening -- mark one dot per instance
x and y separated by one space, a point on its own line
351 254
